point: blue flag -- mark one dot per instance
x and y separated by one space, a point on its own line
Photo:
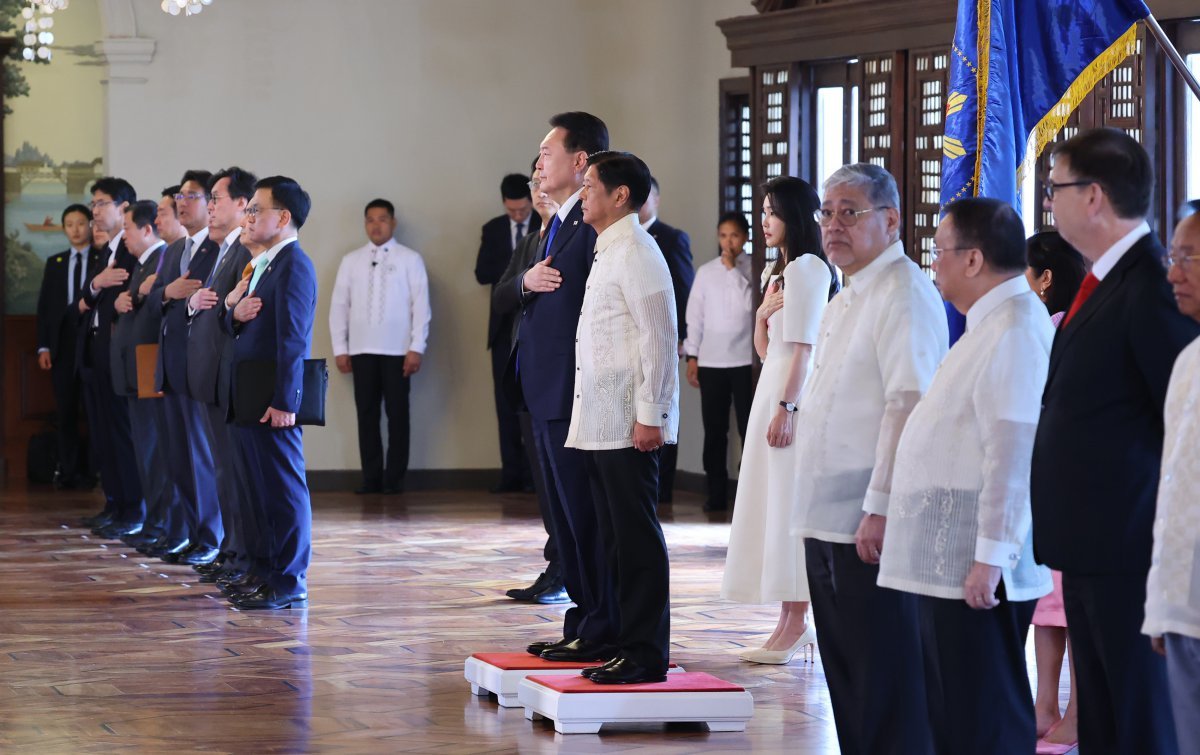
1018 69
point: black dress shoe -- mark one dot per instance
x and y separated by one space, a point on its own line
587 672
140 540
212 567
554 593
625 671
266 598
97 520
117 530
171 550
198 554
716 505
527 593
505 487
537 648
580 651
367 490
393 489
239 584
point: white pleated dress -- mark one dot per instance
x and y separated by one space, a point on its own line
765 562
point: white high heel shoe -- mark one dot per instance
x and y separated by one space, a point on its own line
807 640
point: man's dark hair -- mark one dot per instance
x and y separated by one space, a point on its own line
623 169
735 217
515 186
241 182
82 209
653 183
1189 208
143 212
993 227
201 177
1050 251
1114 160
170 193
118 188
533 165
380 204
585 132
286 193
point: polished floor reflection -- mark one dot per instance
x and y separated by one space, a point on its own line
102 650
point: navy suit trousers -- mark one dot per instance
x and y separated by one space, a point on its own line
274 463
191 463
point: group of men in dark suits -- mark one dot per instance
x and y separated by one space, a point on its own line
160 332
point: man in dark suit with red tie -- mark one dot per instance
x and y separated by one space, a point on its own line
272 320
498 240
57 324
1098 449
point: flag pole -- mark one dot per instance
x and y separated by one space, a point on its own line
1173 55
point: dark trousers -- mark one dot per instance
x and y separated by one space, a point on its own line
870 648
624 489
164 512
1120 682
667 460
976 680
115 455
573 516
68 395
274 463
550 550
720 387
514 459
229 492
378 379
151 459
192 469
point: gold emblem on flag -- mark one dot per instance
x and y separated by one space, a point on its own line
952 148
955 102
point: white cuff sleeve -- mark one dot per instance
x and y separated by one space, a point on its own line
652 415
876 502
995 553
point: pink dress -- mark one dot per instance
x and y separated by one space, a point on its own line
1049 611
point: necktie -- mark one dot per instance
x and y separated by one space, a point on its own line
187 255
551 234
1085 290
520 233
76 282
213 273
260 267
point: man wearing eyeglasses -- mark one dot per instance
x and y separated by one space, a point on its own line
379 324
1097 455
108 413
880 342
1172 607
197 529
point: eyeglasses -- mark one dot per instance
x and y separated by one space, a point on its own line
254 210
1052 187
194 196
215 197
935 252
847 217
1183 261
533 185
97 204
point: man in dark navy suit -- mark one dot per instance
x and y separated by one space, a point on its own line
209 353
184 269
677 249
1099 441
272 319
108 413
57 324
544 359
137 324
500 238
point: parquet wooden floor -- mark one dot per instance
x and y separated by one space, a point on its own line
102 650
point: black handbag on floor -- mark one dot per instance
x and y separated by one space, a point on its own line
254 386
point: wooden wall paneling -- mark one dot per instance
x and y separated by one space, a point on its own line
736 188
29 395
928 82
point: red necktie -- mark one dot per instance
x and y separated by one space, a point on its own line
1085 290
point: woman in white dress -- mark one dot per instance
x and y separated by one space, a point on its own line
765 562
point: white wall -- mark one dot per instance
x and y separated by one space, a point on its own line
428 103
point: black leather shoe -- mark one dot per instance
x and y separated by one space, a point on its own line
212 577
527 593
140 540
580 651
395 489
214 566
554 593
587 672
537 648
712 505
625 671
238 583
266 598
368 490
97 520
117 530
505 487
172 550
197 555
